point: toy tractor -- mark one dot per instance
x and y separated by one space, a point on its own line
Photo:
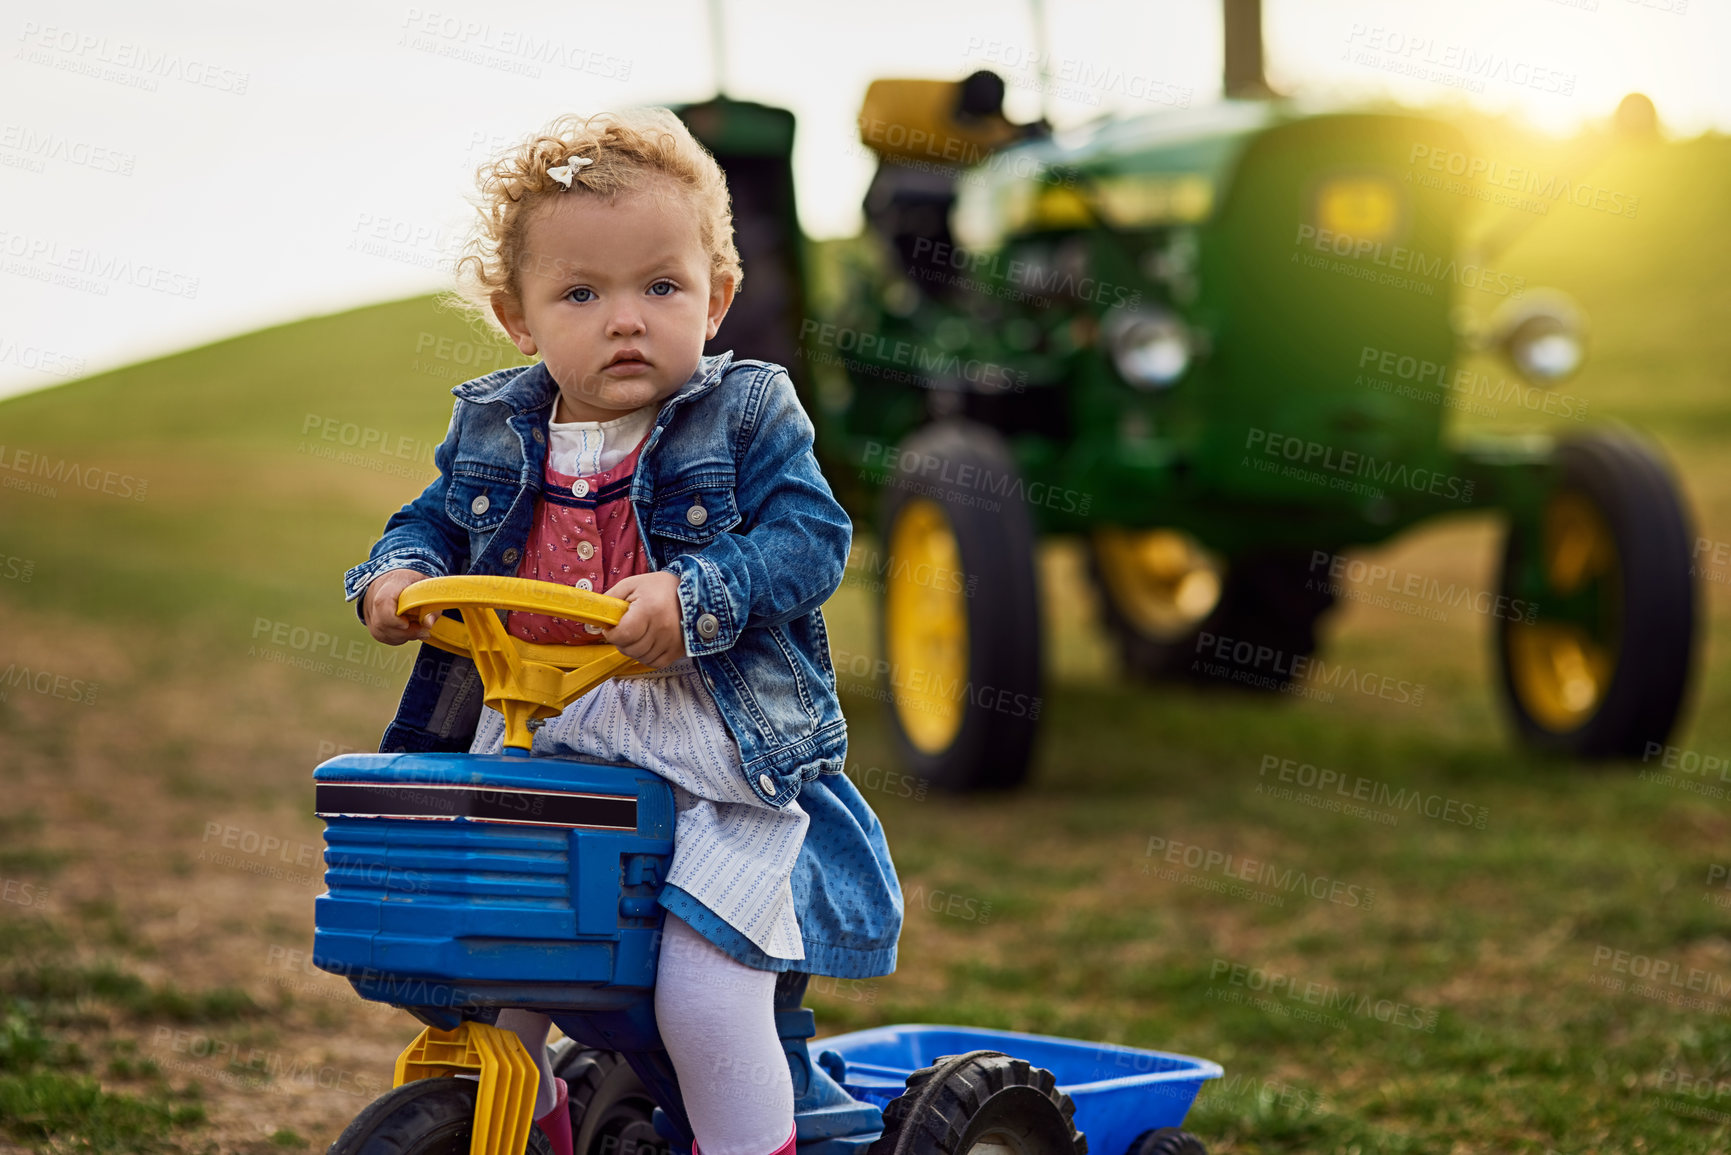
461 884
1216 345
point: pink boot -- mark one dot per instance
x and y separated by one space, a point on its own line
785 1149
556 1124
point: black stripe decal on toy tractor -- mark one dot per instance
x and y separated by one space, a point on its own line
522 807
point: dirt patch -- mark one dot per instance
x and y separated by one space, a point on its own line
171 834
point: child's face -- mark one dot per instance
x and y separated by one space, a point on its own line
601 280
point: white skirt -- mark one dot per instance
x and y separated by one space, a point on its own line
732 851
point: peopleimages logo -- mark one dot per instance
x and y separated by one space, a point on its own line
1400 259
1380 579
921 689
872 350
1038 280
1462 66
1664 979
1255 664
1546 187
1260 872
1359 466
1357 788
31 464
1469 383
963 483
1274 986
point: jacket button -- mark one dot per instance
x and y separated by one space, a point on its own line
708 626
696 515
767 783
510 556
585 550
479 505
538 435
585 584
580 487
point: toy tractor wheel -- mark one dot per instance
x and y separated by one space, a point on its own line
1597 646
1160 591
610 1107
983 1102
426 1117
960 620
1167 1141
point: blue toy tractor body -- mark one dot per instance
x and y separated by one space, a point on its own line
459 885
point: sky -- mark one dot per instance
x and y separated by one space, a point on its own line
176 173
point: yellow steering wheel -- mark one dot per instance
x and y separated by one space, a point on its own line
522 680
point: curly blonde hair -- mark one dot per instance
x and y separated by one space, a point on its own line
629 151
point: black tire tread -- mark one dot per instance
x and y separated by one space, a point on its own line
990 752
1644 510
397 1122
585 1071
1167 1141
931 1115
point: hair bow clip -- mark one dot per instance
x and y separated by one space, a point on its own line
564 172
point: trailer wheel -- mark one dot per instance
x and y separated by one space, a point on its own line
611 1109
1167 1141
960 620
1179 612
1598 641
983 1102
426 1117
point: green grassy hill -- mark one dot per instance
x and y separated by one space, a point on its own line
270 462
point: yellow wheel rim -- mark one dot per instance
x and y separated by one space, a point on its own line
926 626
1561 669
1161 580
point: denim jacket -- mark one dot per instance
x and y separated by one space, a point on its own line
728 496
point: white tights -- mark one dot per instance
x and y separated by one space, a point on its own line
717 1018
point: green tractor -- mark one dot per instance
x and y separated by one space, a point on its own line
1217 346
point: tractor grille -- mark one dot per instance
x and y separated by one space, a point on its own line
474 864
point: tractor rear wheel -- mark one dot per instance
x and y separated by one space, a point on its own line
426 1117
960 614
1180 612
983 1103
1597 646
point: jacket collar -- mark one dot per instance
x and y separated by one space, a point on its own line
529 388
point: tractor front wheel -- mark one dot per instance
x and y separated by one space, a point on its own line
1599 635
960 620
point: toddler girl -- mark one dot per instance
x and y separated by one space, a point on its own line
626 461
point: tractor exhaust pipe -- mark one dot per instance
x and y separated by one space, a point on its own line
1242 79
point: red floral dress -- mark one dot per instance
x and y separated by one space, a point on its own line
585 535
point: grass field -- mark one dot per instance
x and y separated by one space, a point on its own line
1480 978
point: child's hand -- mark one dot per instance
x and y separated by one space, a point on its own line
649 631
379 604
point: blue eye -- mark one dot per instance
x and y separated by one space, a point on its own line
671 287
580 289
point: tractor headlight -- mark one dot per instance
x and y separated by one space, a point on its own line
1151 350
1543 335
1552 355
